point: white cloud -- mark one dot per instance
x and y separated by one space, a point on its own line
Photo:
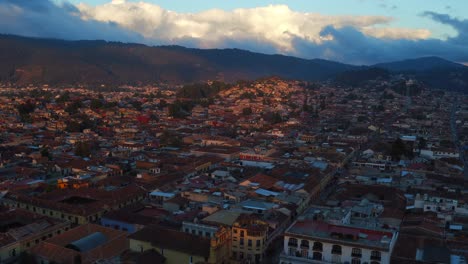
275 25
397 33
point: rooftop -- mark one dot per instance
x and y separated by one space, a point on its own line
344 234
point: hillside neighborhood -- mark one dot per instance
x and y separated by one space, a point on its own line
266 171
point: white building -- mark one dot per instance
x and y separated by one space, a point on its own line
314 241
435 204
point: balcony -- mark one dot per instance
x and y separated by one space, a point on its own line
299 260
336 252
292 244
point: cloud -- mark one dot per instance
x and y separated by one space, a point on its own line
42 18
461 26
351 45
273 24
269 29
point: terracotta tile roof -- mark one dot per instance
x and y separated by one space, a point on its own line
174 240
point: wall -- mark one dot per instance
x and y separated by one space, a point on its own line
172 257
127 227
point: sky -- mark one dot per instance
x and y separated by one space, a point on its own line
349 31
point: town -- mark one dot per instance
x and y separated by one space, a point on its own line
265 171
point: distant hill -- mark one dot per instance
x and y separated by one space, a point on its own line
57 62
433 71
29 60
419 65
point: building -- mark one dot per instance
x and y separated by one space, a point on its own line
249 239
20 230
84 244
79 206
316 241
179 247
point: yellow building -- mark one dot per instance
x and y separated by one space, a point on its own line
249 239
179 247
21 230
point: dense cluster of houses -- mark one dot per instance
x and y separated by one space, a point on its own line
270 171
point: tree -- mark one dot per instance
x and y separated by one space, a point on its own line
96 104
247 111
82 149
45 153
422 143
170 139
73 107
137 105
25 110
399 149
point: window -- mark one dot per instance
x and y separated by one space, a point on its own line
258 243
200 233
187 230
292 251
305 244
317 256
207 234
318 246
336 249
234 254
241 255
292 242
235 230
356 252
356 261
305 253
249 242
241 242
375 255
242 233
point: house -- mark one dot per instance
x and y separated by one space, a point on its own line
21 230
180 247
249 239
315 241
84 244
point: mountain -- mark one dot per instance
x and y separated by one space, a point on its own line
26 60
419 65
29 60
433 71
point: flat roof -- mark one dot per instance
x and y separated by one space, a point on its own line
342 234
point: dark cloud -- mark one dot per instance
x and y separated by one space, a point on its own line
461 26
352 46
42 18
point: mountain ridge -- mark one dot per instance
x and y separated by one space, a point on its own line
91 62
